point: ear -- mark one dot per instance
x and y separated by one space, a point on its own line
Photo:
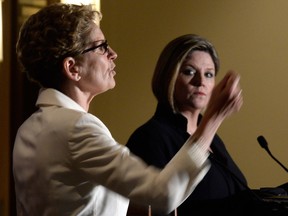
70 69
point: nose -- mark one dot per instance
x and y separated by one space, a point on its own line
111 53
197 80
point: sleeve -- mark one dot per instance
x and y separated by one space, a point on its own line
104 161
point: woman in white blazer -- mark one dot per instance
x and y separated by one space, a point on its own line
65 160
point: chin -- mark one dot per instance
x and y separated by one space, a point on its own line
112 85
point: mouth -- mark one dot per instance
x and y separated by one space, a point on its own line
112 71
112 68
200 93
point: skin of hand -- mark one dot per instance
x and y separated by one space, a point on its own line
226 97
225 100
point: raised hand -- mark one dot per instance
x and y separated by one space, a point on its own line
226 97
225 100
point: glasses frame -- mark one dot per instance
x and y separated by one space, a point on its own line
104 44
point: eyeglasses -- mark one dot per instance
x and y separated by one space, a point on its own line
100 49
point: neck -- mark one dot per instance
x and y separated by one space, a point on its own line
192 120
79 97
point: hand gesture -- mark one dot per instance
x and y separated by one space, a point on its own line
226 97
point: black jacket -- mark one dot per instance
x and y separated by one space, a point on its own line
159 139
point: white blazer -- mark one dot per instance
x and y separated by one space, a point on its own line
66 163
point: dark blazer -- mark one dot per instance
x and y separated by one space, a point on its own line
158 140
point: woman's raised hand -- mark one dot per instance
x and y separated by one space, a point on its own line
226 97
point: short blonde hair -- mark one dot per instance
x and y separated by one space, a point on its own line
53 33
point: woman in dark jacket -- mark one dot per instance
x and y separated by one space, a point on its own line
183 81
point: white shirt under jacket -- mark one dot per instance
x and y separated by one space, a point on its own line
66 163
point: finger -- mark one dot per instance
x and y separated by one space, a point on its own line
239 100
233 81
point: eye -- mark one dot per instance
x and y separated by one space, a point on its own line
102 49
188 71
209 74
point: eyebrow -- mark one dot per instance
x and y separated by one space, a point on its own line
97 41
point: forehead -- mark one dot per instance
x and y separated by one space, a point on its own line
96 33
199 56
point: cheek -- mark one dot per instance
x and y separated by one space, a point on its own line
180 87
96 70
210 85
181 83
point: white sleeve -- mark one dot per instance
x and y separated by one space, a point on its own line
108 163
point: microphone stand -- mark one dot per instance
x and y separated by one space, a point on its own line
263 143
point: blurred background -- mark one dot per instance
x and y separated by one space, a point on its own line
251 37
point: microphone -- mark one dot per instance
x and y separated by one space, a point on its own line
252 200
263 143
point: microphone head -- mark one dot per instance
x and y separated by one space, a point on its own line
262 141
